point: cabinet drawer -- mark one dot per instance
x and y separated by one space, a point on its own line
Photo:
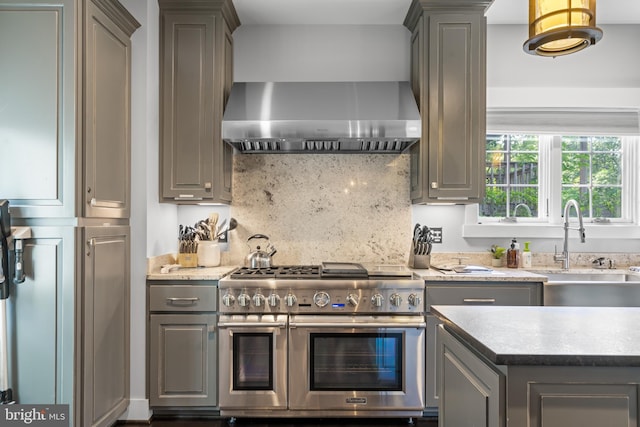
482 295
183 298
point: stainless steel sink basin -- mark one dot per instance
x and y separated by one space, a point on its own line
592 289
592 277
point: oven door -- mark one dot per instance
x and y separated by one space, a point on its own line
357 363
253 362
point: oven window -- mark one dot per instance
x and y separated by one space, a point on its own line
253 361
356 361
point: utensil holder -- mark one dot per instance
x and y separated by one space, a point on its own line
208 253
188 259
420 261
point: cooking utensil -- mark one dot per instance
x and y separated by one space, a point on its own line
258 258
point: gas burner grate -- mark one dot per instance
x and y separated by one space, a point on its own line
290 272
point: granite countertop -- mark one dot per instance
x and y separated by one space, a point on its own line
566 336
495 275
176 272
195 273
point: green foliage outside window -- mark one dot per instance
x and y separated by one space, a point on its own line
591 174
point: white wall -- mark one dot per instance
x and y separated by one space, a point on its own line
149 219
604 75
321 53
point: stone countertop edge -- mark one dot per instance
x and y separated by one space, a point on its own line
547 336
497 275
180 273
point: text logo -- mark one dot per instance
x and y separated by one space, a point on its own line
34 415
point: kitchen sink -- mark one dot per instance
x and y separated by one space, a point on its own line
592 289
592 277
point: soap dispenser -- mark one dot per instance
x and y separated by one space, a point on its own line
513 256
526 256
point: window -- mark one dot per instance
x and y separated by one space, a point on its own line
590 168
512 176
592 175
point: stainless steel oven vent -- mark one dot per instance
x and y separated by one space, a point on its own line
267 146
321 117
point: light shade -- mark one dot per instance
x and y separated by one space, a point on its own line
560 27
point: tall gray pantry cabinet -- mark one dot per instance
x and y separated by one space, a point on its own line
65 137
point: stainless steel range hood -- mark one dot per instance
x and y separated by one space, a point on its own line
321 117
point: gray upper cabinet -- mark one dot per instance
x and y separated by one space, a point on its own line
448 56
65 125
107 112
196 73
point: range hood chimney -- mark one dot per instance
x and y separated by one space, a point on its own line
321 117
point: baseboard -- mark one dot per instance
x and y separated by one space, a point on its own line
138 411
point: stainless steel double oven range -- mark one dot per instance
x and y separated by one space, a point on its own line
333 340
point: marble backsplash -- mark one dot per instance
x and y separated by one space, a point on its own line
324 207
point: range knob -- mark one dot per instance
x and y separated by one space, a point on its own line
352 299
258 299
414 300
290 300
228 300
395 300
273 300
244 300
321 299
377 300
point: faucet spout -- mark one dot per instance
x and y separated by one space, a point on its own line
564 257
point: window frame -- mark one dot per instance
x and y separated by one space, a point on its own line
549 223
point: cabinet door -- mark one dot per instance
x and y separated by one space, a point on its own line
37 107
196 72
187 89
182 360
106 118
456 102
471 392
40 320
104 313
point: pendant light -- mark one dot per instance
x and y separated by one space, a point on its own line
561 27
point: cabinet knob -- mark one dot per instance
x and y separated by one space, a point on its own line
434 185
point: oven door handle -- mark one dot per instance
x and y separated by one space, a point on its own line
417 325
280 325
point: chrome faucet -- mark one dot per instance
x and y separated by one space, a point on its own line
564 257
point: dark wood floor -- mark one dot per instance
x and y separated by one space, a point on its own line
291 422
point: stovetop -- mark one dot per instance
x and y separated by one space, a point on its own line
281 272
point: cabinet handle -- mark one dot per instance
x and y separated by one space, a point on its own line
187 197
434 185
104 204
176 300
479 300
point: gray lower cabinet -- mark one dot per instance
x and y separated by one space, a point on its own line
182 342
478 393
104 313
467 293
196 73
448 78
472 391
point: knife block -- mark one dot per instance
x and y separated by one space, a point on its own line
418 261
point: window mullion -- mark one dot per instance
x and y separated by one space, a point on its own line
553 192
